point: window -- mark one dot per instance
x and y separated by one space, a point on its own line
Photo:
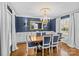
64 26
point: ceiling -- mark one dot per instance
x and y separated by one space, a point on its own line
33 8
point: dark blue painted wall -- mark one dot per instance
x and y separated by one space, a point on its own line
22 26
53 25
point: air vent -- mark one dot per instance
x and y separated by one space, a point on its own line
66 16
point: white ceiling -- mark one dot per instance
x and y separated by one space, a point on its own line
33 8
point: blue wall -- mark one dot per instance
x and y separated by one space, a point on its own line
52 25
20 24
23 24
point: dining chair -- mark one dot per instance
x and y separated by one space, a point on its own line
60 36
46 43
43 33
31 44
54 42
60 40
38 34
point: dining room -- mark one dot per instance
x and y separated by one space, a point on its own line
45 32
39 28
37 35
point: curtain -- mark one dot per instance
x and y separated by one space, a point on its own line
76 17
71 31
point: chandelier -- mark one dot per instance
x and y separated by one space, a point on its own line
45 13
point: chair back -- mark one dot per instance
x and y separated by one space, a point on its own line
60 35
38 34
43 33
31 44
46 40
55 38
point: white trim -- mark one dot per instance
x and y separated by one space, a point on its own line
68 44
3 39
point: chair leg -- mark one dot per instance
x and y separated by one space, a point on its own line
57 50
49 50
36 52
27 51
42 52
52 50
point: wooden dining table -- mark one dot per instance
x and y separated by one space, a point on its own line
38 40
35 38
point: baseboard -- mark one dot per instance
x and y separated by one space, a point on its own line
68 44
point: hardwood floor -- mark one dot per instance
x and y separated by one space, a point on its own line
63 50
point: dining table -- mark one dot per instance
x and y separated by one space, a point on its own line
38 39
